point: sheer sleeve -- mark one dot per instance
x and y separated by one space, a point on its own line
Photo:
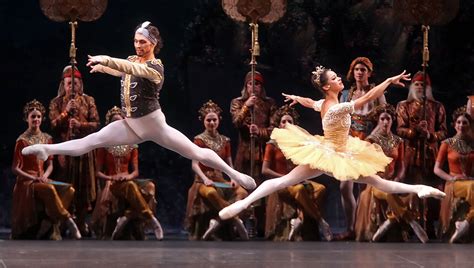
317 105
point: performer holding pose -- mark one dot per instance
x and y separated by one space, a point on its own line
142 78
336 153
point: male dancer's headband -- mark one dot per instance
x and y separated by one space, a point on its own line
144 31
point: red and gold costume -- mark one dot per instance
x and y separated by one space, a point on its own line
79 171
263 108
460 156
288 203
32 199
375 206
204 202
132 198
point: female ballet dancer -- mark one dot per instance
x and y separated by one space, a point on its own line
142 78
336 153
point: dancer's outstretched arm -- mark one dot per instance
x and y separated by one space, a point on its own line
306 102
125 66
378 90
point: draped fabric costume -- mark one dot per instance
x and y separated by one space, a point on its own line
264 108
80 170
288 203
36 203
119 198
460 157
375 206
204 202
336 153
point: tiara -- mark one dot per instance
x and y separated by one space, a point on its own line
34 105
285 110
209 107
318 72
110 113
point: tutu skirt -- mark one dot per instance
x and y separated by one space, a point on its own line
357 158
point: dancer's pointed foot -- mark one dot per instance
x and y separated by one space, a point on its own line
325 230
232 210
157 229
71 225
245 181
295 226
121 222
428 191
240 227
36 149
419 231
462 227
213 226
382 230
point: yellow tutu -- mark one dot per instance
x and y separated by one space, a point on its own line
358 158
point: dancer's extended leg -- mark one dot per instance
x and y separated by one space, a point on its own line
115 133
174 140
394 187
297 175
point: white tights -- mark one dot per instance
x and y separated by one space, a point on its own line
302 173
151 127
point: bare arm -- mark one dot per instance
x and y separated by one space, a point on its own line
197 169
378 90
268 172
306 102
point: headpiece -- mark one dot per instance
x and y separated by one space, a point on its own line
318 72
67 72
383 108
209 107
285 110
419 77
33 105
258 77
144 31
113 111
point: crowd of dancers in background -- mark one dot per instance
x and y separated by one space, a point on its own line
94 188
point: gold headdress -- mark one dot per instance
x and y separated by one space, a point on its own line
460 111
317 74
113 111
33 105
383 108
285 110
209 107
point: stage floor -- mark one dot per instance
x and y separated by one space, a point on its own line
168 253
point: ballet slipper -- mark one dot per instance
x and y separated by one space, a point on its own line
382 230
71 225
462 227
239 225
157 230
121 222
427 191
245 181
419 231
35 149
213 226
231 210
295 226
325 229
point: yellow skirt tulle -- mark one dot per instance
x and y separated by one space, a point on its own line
360 158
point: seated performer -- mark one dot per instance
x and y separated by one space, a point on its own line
123 198
209 192
142 78
295 209
37 204
376 206
459 152
336 153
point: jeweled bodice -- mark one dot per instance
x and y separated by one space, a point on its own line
336 123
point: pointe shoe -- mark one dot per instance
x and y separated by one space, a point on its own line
428 191
71 225
121 222
462 227
295 226
245 181
211 229
35 149
231 210
239 225
419 231
157 230
386 225
325 229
